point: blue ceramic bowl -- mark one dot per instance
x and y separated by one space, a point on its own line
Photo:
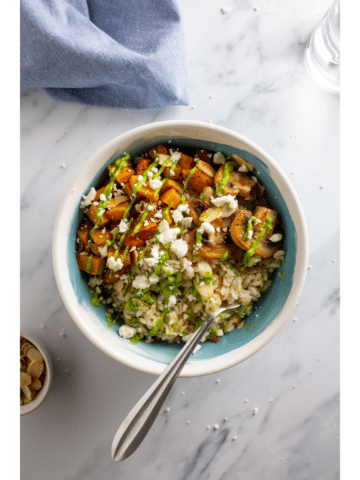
269 314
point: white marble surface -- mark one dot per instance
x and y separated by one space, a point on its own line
247 73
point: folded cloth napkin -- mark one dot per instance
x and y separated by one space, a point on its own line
119 53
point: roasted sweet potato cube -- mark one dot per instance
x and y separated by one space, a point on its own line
186 162
124 174
92 214
171 183
101 236
117 213
175 174
142 166
84 235
147 231
144 191
96 265
98 193
158 149
95 250
200 180
171 197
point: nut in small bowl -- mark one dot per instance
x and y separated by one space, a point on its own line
35 373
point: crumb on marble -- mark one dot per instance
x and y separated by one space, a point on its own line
167 410
216 426
42 326
225 10
218 380
234 437
255 411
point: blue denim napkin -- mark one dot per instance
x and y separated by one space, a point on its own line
119 53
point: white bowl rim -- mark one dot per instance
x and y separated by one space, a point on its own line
221 362
40 397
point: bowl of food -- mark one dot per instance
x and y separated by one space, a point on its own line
165 224
35 373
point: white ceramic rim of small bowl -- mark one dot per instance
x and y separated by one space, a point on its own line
63 220
40 397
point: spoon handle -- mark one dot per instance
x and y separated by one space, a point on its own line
138 422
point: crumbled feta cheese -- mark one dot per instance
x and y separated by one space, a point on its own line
155 251
243 168
132 249
123 226
175 157
163 226
207 228
138 207
227 203
186 264
151 262
219 158
101 212
155 183
168 235
115 264
185 208
140 178
158 214
172 301
177 216
276 237
150 174
179 247
154 170
103 250
141 282
126 332
186 221
103 198
88 199
196 349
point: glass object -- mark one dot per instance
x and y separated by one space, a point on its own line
322 53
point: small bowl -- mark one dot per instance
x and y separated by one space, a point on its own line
40 397
271 311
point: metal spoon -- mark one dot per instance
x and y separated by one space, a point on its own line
138 422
